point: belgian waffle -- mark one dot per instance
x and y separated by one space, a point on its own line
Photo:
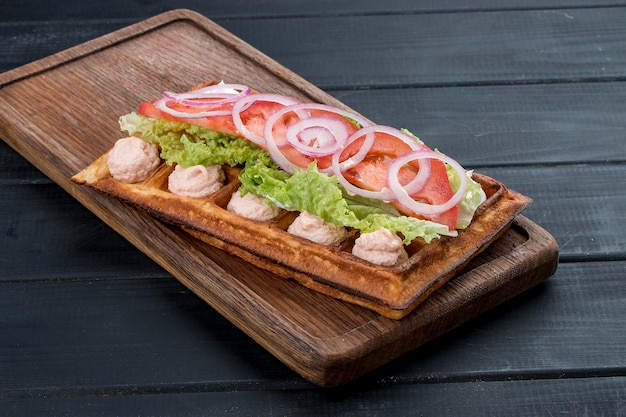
391 291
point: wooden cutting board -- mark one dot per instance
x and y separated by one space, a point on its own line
61 113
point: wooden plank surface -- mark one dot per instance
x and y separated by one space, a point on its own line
490 398
512 125
551 332
563 45
19 10
448 48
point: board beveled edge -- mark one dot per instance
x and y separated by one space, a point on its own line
98 44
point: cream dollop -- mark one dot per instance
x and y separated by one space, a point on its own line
381 247
196 181
252 207
314 228
133 160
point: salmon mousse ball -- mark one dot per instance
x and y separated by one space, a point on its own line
381 247
315 229
197 181
133 160
252 207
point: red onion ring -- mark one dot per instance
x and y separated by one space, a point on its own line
386 194
246 102
161 104
370 137
329 135
279 158
403 197
223 89
208 95
423 174
211 96
302 111
204 100
370 132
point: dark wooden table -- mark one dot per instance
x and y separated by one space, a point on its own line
530 92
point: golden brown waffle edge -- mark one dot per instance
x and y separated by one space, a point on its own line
332 270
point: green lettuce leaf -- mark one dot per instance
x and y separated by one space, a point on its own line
473 197
187 145
320 194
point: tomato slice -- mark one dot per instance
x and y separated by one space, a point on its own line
222 124
436 191
371 174
253 118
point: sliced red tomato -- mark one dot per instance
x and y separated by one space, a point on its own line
371 174
253 118
219 123
436 191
